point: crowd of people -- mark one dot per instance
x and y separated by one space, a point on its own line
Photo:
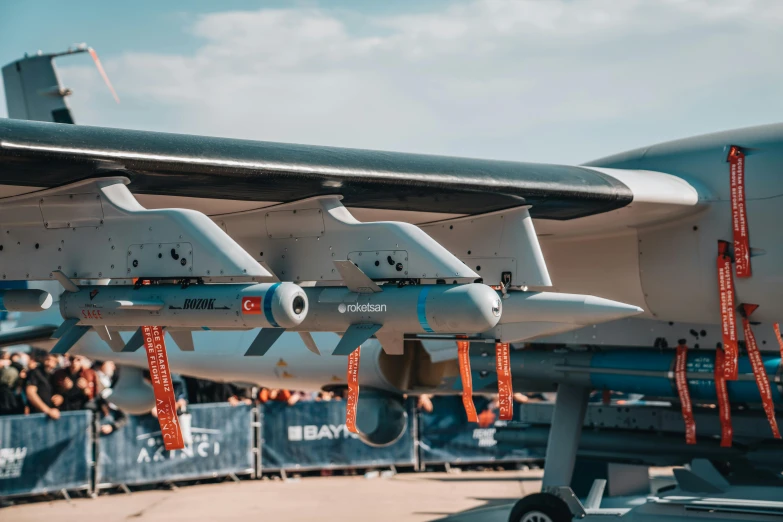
41 382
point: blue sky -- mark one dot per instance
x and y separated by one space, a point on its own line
558 81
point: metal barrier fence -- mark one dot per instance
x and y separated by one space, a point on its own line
223 442
312 435
446 436
40 455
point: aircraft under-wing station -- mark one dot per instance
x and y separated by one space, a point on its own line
406 255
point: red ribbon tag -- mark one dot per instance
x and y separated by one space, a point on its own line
165 402
681 379
780 340
724 407
739 218
505 391
758 368
353 389
467 380
728 318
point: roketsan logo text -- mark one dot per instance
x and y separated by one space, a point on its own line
361 308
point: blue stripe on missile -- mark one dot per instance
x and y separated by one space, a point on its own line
421 309
268 305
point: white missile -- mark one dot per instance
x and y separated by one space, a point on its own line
109 309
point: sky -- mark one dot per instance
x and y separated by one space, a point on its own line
555 81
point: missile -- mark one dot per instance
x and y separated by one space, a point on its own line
25 300
178 308
529 315
643 371
395 311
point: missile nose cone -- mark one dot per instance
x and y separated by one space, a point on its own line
599 310
288 305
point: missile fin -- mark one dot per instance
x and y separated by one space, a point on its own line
113 339
183 339
66 281
356 280
273 276
135 342
64 327
310 342
354 336
689 481
264 341
69 338
393 343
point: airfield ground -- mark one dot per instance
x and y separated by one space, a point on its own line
416 497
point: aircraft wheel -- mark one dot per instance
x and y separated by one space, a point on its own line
541 507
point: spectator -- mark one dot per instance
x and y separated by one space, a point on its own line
202 391
39 389
110 417
105 371
278 395
325 396
424 403
77 384
180 393
11 402
20 361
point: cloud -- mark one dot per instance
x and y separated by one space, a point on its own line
556 81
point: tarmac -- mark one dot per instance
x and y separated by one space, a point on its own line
417 497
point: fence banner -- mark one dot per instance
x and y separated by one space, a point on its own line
40 455
445 435
222 444
312 435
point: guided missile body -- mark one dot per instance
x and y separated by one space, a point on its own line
239 306
411 309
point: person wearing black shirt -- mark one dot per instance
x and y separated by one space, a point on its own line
39 389
77 383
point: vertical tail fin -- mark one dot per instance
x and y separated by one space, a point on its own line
33 90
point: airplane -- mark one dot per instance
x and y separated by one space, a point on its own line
563 247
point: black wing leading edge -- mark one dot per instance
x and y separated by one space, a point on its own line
48 155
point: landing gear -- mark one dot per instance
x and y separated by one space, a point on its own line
541 507
556 502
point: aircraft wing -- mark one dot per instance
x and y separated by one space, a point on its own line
35 155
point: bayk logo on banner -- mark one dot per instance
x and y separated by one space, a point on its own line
251 305
314 432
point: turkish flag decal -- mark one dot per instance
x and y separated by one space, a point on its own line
251 305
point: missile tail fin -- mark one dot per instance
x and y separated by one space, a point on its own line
66 281
307 338
183 339
264 341
69 338
356 280
112 338
393 343
64 327
354 336
135 342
